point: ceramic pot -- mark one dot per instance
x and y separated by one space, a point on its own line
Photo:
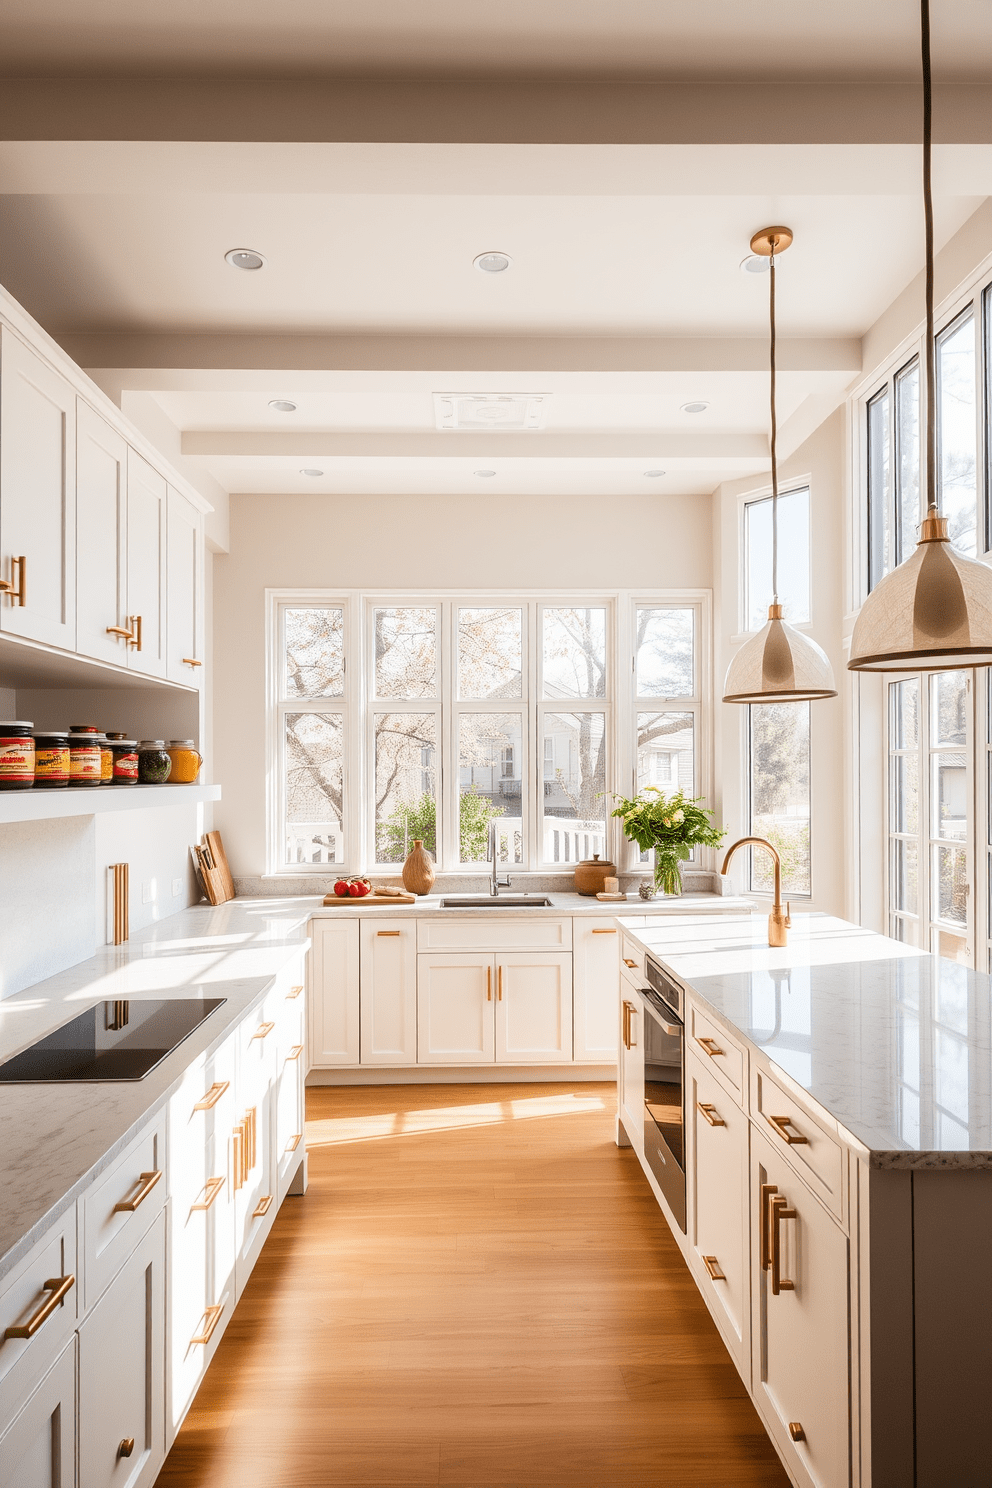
418 870
591 875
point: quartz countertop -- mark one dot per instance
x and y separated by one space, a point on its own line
895 1045
429 906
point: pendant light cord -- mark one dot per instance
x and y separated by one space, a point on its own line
931 349
774 438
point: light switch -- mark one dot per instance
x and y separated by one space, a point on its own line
148 891
177 887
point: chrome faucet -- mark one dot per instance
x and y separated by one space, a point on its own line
495 883
778 922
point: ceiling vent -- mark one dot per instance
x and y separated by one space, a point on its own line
477 411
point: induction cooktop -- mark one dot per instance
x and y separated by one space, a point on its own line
122 1040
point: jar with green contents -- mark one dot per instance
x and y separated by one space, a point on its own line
154 764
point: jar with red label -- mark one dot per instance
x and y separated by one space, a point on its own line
125 759
85 755
16 756
51 759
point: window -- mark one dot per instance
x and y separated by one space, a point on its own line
453 720
957 464
779 793
793 558
893 471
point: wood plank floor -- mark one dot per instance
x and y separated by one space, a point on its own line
478 1291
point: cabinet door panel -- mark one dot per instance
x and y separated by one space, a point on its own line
533 1008
630 1075
253 1172
455 1009
101 537
184 591
37 496
718 1167
334 1001
39 1448
389 991
596 985
146 494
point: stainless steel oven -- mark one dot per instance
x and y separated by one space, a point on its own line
664 1085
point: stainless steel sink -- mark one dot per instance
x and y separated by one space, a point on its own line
488 901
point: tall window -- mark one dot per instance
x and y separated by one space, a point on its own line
893 471
779 793
666 699
793 558
957 464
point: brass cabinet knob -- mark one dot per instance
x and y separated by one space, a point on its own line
796 1431
126 1447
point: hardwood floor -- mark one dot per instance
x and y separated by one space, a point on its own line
478 1291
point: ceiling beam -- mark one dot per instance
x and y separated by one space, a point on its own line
578 445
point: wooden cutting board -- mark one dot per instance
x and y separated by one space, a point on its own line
333 898
216 846
209 875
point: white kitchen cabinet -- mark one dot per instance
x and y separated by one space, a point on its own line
26 1301
184 590
38 1450
800 1321
456 1021
37 497
101 538
596 989
252 1153
389 991
117 1209
285 1006
334 999
146 567
533 1007
122 1373
630 1072
718 1203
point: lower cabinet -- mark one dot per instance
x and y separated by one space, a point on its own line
533 1007
478 1008
388 985
717 1154
334 1006
630 1070
596 987
253 1176
38 1449
122 1373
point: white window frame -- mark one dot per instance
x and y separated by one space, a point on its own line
758 498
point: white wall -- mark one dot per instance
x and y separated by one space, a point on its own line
47 919
396 542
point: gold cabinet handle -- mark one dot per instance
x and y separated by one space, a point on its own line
713 1267
213 1095
796 1431
623 1025
208 1323
251 1138
211 1189
606 932
710 1046
489 984
780 1123
387 932
147 1182
263 1206
294 1053
631 1040
499 983
632 965
135 623
126 1447
767 1190
191 661
57 1288
708 1109
238 1155
779 1207
119 630
16 590
262 1031
294 1141
293 993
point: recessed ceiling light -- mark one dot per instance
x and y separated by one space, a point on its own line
754 264
311 472
694 407
493 263
485 473
244 258
282 405
654 472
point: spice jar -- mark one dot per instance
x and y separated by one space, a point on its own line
85 755
106 760
154 764
16 756
186 761
125 753
51 759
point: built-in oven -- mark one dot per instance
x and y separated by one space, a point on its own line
664 1085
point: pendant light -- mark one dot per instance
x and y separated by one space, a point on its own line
779 664
933 612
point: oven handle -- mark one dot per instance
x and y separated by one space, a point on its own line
674 1030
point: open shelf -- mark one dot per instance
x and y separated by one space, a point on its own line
88 800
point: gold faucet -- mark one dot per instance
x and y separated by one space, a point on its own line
778 921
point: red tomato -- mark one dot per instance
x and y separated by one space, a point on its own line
356 890
365 888
341 888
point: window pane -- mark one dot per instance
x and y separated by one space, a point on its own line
489 653
314 772
879 477
905 877
575 653
490 759
950 796
956 432
905 713
950 868
793 557
908 457
905 793
314 652
405 784
574 778
780 804
948 705
665 653
665 752
406 653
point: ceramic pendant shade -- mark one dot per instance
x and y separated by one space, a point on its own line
778 665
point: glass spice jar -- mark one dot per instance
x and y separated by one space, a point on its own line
85 755
106 760
154 764
16 756
186 761
51 759
125 753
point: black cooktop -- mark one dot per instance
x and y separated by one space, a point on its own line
121 1040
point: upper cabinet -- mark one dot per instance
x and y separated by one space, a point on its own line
37 498
102 630
184 609
146 571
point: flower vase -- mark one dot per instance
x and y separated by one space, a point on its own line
667 873
418 870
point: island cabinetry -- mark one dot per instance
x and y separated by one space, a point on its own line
595 987
252 1157
26 1305
630 1071
719 1051
116 1210
388 984
101 538
717 1157
334 1007
38 1450
803 1139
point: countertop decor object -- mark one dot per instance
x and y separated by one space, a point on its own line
418 870
591 874
670 825
367 899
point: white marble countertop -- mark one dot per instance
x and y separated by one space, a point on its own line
893 1044
429 906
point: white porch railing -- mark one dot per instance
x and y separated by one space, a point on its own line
314 842
570 841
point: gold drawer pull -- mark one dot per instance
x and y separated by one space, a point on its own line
628 963
147 1182
210 1319
780 1123
387 932
767 1189
489 984
708 1109
499 983
294 1142
119 630
713 1267
796 1431
780 1210
238 1155
293 993
710 1046
213 1095
126 1447
262 1031
57 1287
606 932
294 1052
211 1189
16 591
191 661
135 623
264 1205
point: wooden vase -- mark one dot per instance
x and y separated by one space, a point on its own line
418 870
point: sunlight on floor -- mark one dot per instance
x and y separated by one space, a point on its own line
335 1130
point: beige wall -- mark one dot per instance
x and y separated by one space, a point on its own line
394 542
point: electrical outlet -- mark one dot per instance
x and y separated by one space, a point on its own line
177 887
148 891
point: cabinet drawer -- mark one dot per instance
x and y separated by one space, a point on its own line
117 1210
632 961
494 934
720 1052
40 1445
24 1295
815 1154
